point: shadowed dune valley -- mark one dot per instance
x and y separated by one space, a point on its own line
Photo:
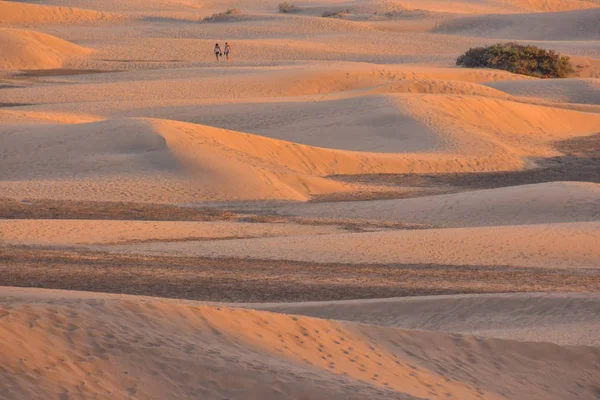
312 199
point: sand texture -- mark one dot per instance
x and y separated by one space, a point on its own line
337 211
123 347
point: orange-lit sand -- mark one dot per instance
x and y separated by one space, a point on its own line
119 347
332 158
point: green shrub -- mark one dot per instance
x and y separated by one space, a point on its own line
518 59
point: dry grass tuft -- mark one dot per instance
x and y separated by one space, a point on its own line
337 14
286 7
222 16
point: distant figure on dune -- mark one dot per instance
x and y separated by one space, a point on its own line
227 50
217 51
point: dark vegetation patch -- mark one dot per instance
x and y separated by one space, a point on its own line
223 16
238 280
337 14
518 59
99 210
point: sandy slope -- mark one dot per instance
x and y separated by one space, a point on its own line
106 346
513 6
526 204
129 158
582 91
544 245
23 49
573 25
564 318
374 91
14 13
72 232
236 84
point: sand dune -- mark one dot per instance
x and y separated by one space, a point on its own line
229 181
134 156
129 6
526 204
568 25
23 49
582 91
482 7
233 85
566 319
120 347
587 67
544 245
555 5
73 232
14 13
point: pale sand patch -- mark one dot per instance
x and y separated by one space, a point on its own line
151 348
513 205
58 232
22 49
573 25
567 245
581 91
562 318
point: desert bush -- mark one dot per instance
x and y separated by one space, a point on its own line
336 14
518 59
286 7
223 15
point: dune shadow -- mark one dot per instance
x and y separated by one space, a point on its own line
156 19
3 105
32 73
580 162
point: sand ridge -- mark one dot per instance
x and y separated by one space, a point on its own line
562 318
524 204
573 25
74 232
179 338
568 245
22 49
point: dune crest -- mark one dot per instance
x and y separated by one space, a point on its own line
23 49
207 161
14 13
151 348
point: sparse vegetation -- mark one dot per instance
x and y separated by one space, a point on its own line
518 59
286 7
336 14
222 16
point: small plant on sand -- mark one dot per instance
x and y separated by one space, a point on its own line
222 16
286 7
518 59
336 14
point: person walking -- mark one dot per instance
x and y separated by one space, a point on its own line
217 51
227 50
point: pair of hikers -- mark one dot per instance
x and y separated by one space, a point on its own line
226 52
